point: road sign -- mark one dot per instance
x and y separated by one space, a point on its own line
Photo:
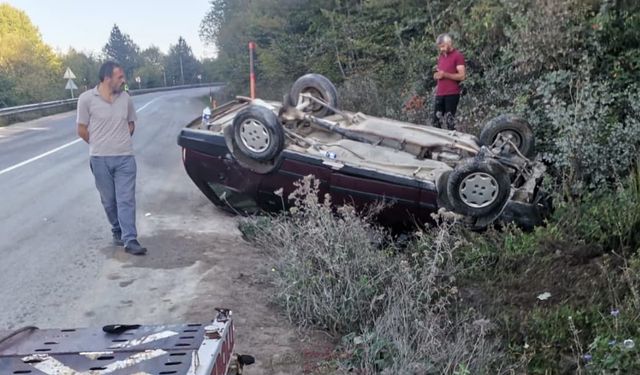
71 86
68 74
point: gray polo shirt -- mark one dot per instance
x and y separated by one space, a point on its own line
108 122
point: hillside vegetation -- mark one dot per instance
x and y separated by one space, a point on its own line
564 298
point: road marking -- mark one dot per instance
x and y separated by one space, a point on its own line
145 106
39 157
57 148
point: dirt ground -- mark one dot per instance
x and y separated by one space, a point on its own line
231 274
572 274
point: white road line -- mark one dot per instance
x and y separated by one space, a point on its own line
39 157
145 106
57 148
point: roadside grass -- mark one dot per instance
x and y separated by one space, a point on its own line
563 298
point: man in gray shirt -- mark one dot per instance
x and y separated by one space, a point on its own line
106 121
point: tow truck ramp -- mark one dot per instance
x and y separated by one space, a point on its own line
180 349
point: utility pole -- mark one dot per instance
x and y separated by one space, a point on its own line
181 71
164 75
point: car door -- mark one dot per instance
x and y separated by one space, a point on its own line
293 167
362 188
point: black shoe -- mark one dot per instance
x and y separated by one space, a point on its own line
117 239
133 247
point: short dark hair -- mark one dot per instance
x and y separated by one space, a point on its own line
106 70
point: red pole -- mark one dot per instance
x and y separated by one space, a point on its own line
252 75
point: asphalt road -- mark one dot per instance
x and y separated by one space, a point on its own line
58 268
54 238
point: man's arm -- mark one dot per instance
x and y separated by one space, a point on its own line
83 132
131 116
83 118
459 76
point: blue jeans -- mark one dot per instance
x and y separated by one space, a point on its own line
116 182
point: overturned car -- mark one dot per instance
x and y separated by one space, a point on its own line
246 157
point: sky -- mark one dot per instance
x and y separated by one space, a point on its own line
86 25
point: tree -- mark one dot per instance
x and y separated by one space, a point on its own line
151 70
152 56
84 66
182 66
123 50
29 70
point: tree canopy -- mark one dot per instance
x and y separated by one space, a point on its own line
122 49
29 68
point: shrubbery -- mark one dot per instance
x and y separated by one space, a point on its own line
390 304
570 67
451 301
459 302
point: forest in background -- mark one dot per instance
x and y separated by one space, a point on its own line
31 71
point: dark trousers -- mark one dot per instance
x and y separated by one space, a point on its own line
444 111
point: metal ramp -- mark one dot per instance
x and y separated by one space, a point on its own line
180 349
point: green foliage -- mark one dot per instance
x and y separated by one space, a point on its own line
152 69
554 338
181 66
29 70
569 66
338 271
595 298
85 67
123 50
589 129
609 220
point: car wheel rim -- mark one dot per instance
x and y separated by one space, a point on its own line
479 190
512 136
254 135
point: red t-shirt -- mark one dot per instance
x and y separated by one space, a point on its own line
448 63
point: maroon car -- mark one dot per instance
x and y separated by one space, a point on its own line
247 156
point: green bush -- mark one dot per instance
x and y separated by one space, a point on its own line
610 220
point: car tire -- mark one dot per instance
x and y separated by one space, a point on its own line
514 127
258 134
441 187
318 86
478 188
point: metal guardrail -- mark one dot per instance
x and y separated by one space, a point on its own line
10 111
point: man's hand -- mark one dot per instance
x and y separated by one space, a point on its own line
459 76
83 132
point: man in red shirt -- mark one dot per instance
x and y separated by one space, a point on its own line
449 73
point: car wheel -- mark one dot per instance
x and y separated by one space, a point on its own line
478 187
319 87
257 133
514 128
